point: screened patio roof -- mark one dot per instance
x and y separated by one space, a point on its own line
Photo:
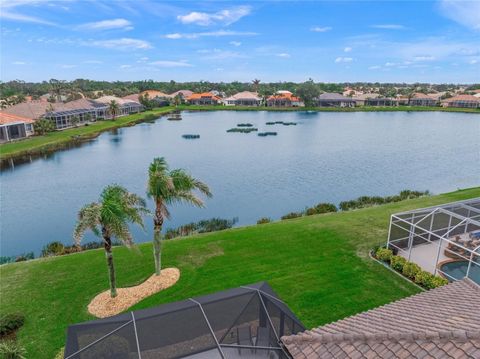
245 322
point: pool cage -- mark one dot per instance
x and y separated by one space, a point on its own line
245 322
443 240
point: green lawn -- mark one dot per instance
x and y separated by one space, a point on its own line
318 265
58 138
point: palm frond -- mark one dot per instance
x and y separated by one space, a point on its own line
88 219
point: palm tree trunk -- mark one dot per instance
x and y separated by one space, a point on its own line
107 243
157 239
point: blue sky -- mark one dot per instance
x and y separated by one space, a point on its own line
329 41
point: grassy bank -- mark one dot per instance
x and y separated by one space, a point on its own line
332 109
318 265
59 139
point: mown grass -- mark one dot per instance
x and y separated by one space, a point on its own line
56 139
318 264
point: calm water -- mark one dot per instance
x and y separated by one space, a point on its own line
327 157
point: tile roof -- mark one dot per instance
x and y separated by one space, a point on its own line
197 96
462 98
244 95
334 96
132 97
184 93
440 323
107 99
419 95
6 118
154 93
287 95
32 110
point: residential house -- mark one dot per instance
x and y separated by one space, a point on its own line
14 127
83 110
284 99
334 100
205 98
463 101
245 98
127 106
440 323
402 100
381 101
154 93
360 99
420 99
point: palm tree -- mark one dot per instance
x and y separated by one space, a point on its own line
113 108
255 83
166 187
109 217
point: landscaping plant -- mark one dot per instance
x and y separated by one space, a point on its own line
397 263
109 218
10 349
384 254
411 269
166 187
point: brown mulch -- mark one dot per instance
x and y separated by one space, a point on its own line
103 305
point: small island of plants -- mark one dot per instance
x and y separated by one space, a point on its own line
190 136
265 134
245 125
242 130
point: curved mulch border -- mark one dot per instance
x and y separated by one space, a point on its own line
103 305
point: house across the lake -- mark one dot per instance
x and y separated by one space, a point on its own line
205 98
420 99
284 99
381 101
127 106
14 127
245 98
462 101
334 100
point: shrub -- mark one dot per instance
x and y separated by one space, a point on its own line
411 269
264 220
292 215
43 126
424 279
310 211
10 349
25 257
10 323
326 208
397 263
53 249
437 281
384 254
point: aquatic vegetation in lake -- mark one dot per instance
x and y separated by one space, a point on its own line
245 125
265 134
243 130
281 123
190 137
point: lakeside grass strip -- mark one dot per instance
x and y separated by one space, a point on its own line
319 265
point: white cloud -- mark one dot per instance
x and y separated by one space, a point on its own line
66 66
19 63
166 63
466 13
320 29
284 55
107 25
217 54
196 35
347 49
121 44
14 16
224 17
235 43
423 58
343 59
375 67
389 26
125 66
473 62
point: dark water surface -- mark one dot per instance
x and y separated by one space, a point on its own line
327 157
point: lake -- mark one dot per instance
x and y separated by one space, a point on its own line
327 157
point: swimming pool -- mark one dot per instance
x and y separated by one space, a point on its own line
458 270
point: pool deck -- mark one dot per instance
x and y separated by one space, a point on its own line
425 255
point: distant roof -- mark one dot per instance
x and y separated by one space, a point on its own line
154 93
184 93
196 96
439 323
132 97
420 95
31 110
120 101
462 98
244 95
328 96
279 95
281 92
6 118
365 96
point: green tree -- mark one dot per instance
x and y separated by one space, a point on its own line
74 120
255 83
43 126
113 109
109 217
166 187
308 92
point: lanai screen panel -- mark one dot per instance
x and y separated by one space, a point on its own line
245 322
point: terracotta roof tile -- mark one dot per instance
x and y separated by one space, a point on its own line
440 323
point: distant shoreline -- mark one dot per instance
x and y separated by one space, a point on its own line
45 144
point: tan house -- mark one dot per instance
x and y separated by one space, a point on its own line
420 99
245 98
14 127
284 99
463 101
